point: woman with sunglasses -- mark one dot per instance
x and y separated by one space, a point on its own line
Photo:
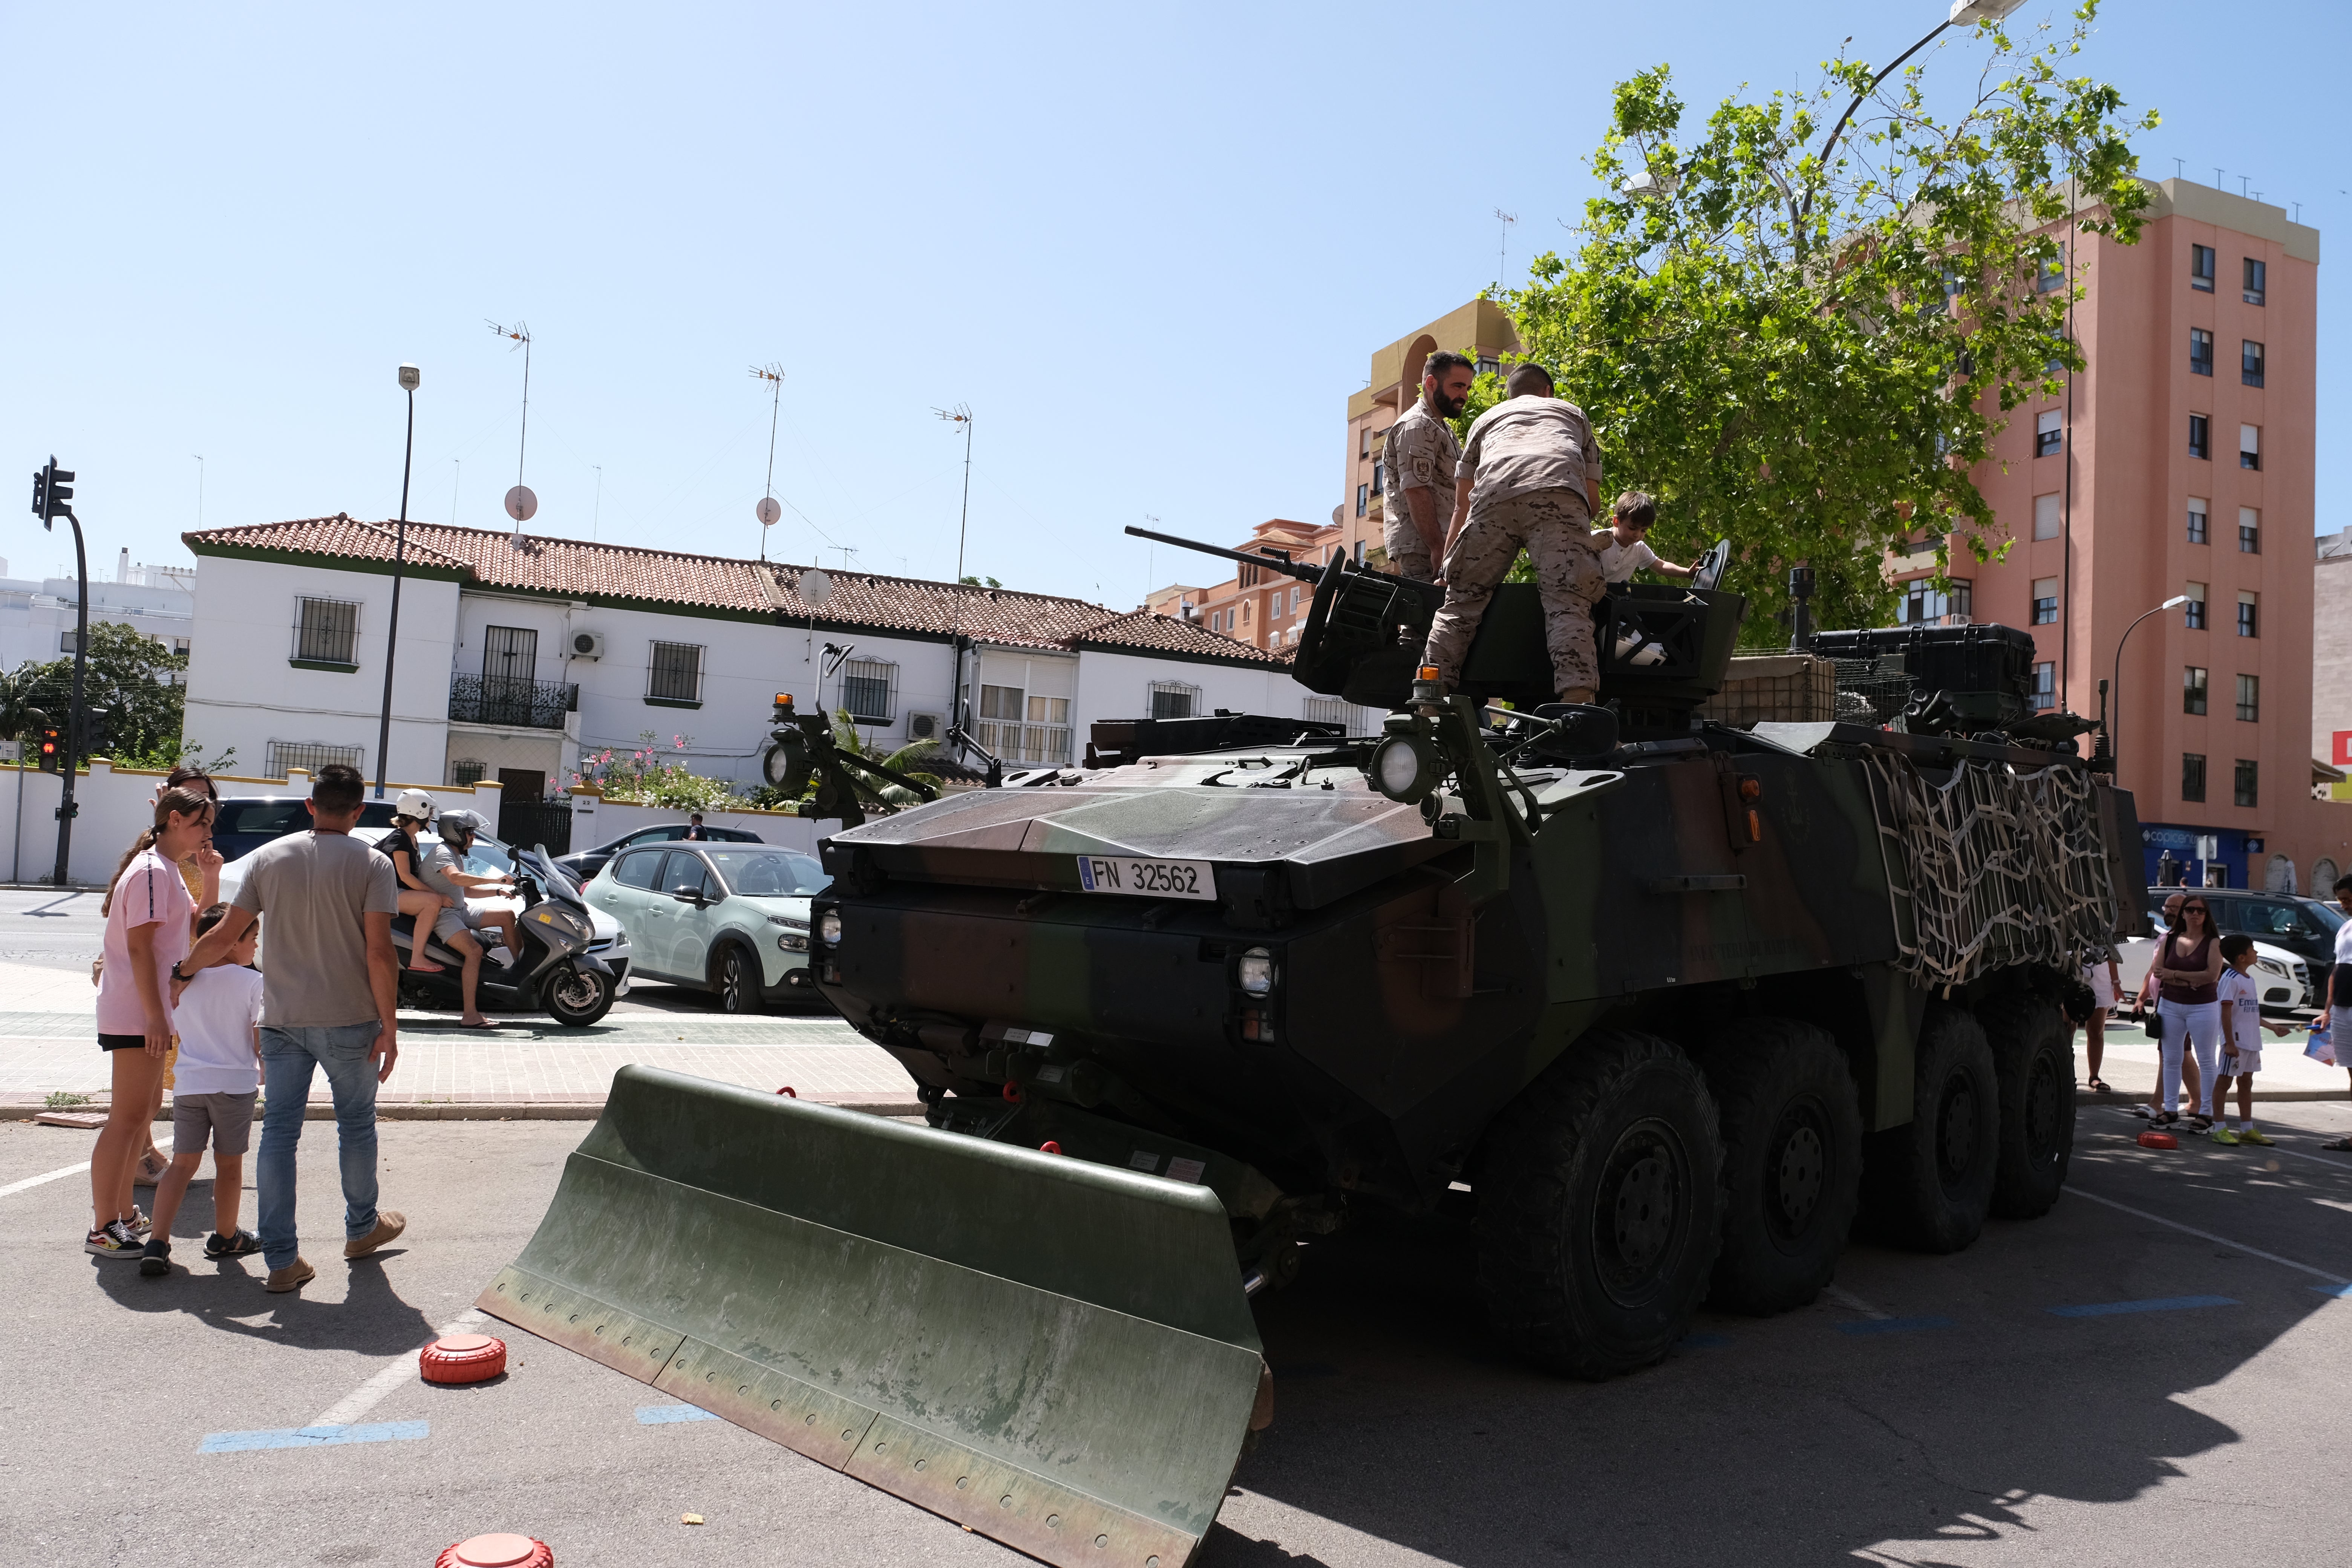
2188 970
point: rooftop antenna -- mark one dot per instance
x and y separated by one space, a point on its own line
961 415
847 551
1150 567
2180 168
958 706
520 503
1503 246
2243 181
2217 176
768 511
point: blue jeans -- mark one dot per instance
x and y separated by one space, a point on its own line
287 1056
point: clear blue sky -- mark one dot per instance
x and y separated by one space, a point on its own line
1152 248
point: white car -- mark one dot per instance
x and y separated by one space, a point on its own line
2284 978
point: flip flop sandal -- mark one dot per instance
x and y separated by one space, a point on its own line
2099 1086
485 1024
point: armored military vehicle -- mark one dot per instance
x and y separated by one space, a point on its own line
1670 1005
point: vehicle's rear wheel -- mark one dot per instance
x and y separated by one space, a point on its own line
1792 1164
1928 1184
577 998
737 987
2033 1059
1600 1204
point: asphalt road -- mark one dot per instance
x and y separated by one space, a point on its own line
65 930
1936 1411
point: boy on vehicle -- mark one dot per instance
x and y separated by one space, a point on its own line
1625 544
219 1020
2242 1041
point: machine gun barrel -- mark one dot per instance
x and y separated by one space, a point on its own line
1288 568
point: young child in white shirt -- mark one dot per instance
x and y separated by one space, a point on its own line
1623 544
219 1080
2242 1042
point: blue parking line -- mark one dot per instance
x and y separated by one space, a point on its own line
2344 1292
312 1437
2161 1304
1891 1325
663 1415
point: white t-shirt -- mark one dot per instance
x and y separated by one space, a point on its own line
1620 561
2245 1012
216 1016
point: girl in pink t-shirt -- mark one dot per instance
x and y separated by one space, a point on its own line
149 922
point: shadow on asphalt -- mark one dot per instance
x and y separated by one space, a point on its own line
227 1295
1758 1441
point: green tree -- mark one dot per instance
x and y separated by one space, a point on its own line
1803 337
131 674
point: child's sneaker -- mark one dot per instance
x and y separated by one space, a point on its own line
139 1223
2253 1134
155 1259
2223 1136
112 1239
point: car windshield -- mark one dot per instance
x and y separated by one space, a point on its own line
2328 915
770 873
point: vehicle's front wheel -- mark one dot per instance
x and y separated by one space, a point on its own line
737 987
577 998
1600 1205
1792 1164
1928 1184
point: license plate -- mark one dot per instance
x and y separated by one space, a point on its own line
1141 879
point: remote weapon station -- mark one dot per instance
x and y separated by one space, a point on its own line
1678 1002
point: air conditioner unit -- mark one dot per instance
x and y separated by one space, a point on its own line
587 644
926 727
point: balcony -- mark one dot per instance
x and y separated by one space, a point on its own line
516 704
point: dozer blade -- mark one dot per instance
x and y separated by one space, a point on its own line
1056 1353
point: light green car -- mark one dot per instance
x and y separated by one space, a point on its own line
728 918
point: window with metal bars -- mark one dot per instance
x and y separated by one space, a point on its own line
674 673
310 754
327 631
1174 700
869 690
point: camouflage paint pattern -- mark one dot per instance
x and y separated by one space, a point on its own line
1554 528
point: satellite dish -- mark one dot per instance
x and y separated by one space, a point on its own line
522 505
768 511
815 587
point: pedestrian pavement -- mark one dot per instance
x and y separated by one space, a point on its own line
531 1067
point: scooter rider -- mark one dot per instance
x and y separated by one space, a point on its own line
459 927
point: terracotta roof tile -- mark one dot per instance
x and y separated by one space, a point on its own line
573 568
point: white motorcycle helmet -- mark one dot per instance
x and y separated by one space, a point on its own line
414 803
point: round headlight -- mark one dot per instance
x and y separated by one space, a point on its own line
828 928
1404 768
1255 971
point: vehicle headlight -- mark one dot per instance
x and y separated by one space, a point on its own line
1406 768
828 928
1255 971
2270 967
793 937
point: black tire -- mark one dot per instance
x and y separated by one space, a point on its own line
576 999
1928 1184
1792 1164
735 981
1600 1206
2034 1058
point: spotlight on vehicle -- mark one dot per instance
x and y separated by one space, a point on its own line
1406 768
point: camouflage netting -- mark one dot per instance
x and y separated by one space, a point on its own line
1991 867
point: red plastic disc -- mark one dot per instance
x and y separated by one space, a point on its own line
463 1358
1049 1147
787 1093
2154 1140
1013 1092
500 1551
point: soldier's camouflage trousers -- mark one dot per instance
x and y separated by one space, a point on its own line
1552 526
1408 551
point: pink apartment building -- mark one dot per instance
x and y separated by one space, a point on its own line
2179 462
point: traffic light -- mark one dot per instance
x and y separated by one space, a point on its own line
96 734
52 742
52 492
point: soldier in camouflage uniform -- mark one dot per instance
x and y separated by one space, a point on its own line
1418 465
1530 478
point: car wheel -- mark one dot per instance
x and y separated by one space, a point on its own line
739 986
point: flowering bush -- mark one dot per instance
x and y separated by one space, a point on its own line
653 776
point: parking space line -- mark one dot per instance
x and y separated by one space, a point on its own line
389 1376
2208 1235
2160 1304
59 1174
663 1415
319 1437
1893 1325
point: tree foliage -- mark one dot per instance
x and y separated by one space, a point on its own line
1805 346
126 671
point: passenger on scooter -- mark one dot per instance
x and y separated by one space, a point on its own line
460 926
410 814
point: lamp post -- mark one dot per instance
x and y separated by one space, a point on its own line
2114 749
409 379
1964 13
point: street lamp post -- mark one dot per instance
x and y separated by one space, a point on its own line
409 379
2112 749
1964 13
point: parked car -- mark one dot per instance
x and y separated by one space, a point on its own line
728 918
246 822
2304 927
2283 973
585 863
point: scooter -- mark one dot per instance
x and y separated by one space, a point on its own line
555 973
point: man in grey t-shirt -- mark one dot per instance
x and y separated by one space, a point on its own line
329 998
1417 467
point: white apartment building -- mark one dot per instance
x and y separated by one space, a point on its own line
518 655
37 615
